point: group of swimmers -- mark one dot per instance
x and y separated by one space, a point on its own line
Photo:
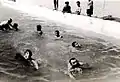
73 64
67 7
7 25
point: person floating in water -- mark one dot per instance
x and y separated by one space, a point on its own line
7 25
27 59
78 11
56 4
39 27
90 8
76 67
67 8
76 47
57 35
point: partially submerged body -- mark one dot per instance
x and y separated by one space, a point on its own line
39 29
76 47
57 35
75 67
7 25
27 59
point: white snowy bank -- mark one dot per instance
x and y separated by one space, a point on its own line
109 28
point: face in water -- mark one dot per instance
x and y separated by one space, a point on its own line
77 44
26 56
74 62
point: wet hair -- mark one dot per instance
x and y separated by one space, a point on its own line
30 53
73 44
67 2
78 2
15 25
58 33
39 27
10 20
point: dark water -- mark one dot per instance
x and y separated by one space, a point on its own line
53 54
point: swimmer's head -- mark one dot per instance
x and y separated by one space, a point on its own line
57 33
28 53
15 26
73 61
75 44
39 27
10 21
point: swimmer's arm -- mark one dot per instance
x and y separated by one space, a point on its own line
71 73
71 76
11 26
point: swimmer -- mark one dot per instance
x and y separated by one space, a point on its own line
74 67
57 35
39 27
6 25
20 58
27 58
15 26
76 47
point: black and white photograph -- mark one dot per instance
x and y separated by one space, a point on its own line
59 41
